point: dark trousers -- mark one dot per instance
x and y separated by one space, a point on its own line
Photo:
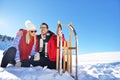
9 56
43 62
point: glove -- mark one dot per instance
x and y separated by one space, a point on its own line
18 64
37 56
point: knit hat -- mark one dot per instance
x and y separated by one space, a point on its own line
29 25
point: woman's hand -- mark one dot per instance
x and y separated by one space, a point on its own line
20 33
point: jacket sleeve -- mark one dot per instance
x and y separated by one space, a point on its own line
33 51
15 44
34 47
52 47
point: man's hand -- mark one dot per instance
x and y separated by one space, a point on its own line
37 57
18 64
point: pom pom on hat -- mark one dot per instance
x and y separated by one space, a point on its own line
29 25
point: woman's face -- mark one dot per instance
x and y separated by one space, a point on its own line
32 32
43 29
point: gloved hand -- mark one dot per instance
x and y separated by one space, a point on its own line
18 64
37 56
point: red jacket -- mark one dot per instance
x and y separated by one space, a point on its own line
52 47
24 48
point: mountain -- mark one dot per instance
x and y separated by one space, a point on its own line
5 41
94 66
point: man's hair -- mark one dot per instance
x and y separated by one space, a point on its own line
44 24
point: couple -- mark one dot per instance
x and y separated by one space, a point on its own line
31 49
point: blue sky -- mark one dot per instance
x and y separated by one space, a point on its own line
97 22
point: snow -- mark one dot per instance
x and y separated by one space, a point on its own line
94 58
1 56
36 73
94 66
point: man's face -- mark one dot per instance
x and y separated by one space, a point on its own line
43 29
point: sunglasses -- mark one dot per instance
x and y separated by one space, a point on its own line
33 31
43 28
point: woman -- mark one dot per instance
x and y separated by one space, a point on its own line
47 46
24 46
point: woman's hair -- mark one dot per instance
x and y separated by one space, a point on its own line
27 37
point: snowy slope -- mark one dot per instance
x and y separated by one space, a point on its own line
5 41
97 66
1 56
94 58
5 44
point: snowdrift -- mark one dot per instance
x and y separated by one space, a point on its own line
97 66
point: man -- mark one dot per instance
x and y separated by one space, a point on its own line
47 47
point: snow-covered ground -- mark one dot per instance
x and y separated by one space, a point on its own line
96 66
